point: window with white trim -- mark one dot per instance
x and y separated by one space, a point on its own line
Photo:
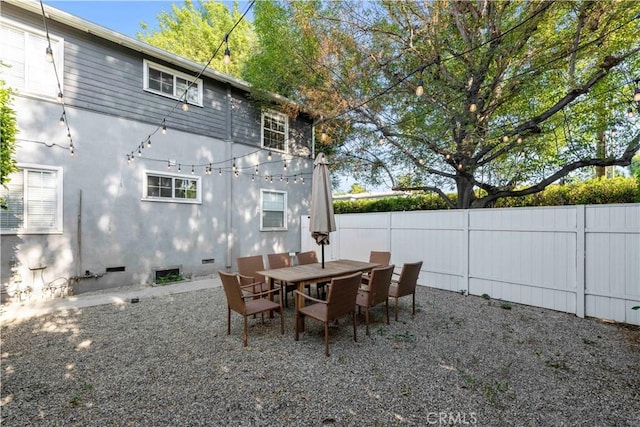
160 186
275 128
34 201
29 72
273 209
171 83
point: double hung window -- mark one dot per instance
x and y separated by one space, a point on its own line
34 201
22 50
275 127
171 83
274 210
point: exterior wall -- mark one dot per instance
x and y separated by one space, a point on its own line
577 259
106 222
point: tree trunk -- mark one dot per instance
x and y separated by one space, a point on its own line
601 153
466 196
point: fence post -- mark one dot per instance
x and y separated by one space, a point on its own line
580 260
465 249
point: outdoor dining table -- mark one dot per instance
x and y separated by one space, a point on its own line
307 274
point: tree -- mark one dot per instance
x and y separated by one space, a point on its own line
357 189
515 95
197 32
8 133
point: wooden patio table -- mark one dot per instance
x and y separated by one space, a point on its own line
306 274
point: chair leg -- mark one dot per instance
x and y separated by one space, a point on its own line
281 320
228 320
298 319
326 338
414 302
386 305
366 317
355 324
245 336
396 309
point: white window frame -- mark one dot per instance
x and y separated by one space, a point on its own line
176 94
279 116
32 58
24 169
173 176
262 210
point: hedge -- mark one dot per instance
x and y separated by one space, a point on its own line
593 192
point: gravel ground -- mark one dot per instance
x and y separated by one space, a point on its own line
463 360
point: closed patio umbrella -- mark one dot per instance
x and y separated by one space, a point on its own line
322 220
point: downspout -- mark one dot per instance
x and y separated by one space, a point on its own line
229 186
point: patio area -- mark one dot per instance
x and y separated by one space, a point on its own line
462 360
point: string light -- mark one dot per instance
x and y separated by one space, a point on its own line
420 87
227 52
179 168
168 165
149 142
49 54
269 156
164 127
193 171
62 120
636 94
185 105
60 97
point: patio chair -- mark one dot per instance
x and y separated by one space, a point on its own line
281 260
311 257
247 267
340 301
377 291
376 257
237 302
406 284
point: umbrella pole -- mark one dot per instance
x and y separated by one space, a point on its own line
323 255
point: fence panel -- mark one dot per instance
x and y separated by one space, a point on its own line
577 259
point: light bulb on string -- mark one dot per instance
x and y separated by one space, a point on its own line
185 105
233 167
49 54
505 138
60 97
61 121
219 172
164 127
253 178
420 87
257 171
72 150
630 112
168 165
149 142
227 52
193 171
636 94
473 106
285 164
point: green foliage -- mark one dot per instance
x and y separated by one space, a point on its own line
195 32
357 189
8 131
592 192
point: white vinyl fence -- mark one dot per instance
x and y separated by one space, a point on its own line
576 259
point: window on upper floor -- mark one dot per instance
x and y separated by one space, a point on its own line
274 210
171 83
275 129
160 186
23 50
34 201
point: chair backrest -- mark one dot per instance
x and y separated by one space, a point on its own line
307 258
379 284
231 285
382 258
248 265
279 260
342 295
408 278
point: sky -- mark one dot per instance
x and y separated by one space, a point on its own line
123 16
